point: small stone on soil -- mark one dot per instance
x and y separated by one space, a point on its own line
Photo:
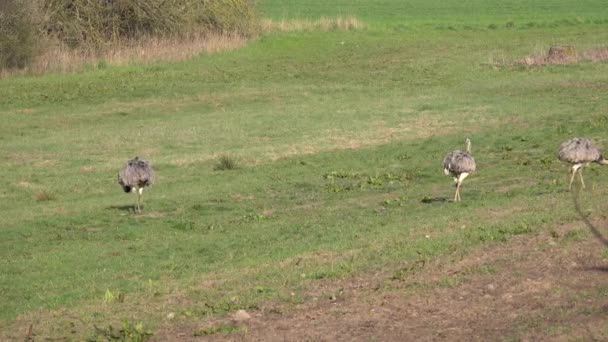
241 316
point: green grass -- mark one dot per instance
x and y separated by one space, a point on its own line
471 13
339 138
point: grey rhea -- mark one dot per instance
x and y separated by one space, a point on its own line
459 164
135 176
579 152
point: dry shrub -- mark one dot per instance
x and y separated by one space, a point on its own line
550 57
18 39
596 54
324 24
95 23
60 58
50 35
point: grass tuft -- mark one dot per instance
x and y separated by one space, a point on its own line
44 196
226 162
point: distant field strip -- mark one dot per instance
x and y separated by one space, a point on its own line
324 24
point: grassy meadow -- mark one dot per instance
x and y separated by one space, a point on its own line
338 139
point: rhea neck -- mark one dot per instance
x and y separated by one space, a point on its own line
468 149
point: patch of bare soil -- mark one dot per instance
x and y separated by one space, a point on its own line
552 286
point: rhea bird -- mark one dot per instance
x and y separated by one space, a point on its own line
579 152
135 176
459 164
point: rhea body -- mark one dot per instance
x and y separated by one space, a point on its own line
459 164
579 152
135 176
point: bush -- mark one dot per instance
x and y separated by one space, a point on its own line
95 24
18 42
236 16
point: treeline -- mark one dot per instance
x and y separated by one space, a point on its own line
27 27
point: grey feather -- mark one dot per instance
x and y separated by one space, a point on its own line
458 162
136 174
579 151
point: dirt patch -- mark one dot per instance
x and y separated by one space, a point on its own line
549 286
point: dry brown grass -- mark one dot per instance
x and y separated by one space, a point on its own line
324 24
59 58
596 54
44 196
541 57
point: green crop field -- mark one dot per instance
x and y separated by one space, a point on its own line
338 138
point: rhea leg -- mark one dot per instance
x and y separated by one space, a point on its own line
137 191
574 169
140 193
461 178
580 173
456 193
141 198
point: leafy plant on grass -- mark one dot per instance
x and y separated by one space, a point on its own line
127 332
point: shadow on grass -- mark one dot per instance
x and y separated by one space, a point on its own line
430 200
129 208
597 268
588 223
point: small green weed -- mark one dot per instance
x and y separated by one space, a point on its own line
127 332
480 269
347 180
502 233
341 174
408 270
110 296
184 225
395 202
223 328
574 235
547 162
452 281
254 217
262 289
